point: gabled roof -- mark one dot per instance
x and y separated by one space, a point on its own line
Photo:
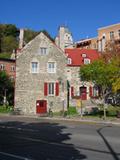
32 41
77 58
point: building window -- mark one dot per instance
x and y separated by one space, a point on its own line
43 51
12 68
34 67
69 61
2 67
51 67
84 55
86 61
119 33
51 89
111 35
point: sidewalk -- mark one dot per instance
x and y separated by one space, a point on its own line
86 120
115 121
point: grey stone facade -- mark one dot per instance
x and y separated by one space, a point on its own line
73 75
29 87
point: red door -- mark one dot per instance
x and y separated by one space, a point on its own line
83 93
41 106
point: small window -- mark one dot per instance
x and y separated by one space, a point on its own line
2 67
43 51
111 35
86 61
119 33
12 68
34 67
51 67
69 61
51 89
84 55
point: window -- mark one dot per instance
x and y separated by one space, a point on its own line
34 67
43 51
51 89
12 68
84 55
2 67
119 33
86 61
69 61
111 35
51 67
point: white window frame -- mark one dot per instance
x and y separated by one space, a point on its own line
12 68
51 91
86 61
112 35
84 55
43 51
51 70
69 61
33 70
2 67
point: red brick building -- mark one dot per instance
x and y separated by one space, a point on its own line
8 65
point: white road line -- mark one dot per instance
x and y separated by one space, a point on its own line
14 156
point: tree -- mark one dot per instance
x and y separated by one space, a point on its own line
8 44
6 88
99 73
29 35
8 37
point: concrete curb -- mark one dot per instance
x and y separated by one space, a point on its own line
69 119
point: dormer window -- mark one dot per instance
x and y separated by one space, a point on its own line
69 61
84 55
86 61
43 51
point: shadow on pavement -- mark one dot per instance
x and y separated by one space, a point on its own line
36 141
99 131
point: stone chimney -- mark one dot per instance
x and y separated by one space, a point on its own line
21 38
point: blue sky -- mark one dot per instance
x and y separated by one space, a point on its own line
83 17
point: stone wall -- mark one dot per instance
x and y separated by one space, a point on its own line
30 86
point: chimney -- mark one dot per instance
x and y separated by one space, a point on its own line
21 38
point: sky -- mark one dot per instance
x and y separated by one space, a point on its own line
82 17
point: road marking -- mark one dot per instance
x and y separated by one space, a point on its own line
14 156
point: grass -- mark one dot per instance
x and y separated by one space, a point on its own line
4 109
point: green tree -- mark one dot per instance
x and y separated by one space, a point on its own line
29 35
8 37
99 73
8 44
6 88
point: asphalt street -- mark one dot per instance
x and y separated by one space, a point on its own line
39 139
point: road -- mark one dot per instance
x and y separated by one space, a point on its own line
39 139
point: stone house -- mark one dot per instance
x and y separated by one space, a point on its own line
41 81
76 58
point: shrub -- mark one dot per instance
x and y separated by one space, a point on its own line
72 110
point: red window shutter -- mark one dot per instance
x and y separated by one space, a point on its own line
45 89
72 91
57 89
90 91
